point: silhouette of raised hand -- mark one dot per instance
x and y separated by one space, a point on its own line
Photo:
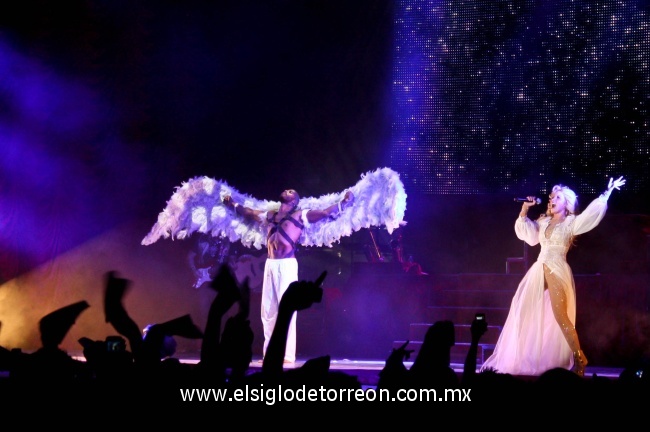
213 360
478 328
118 317
228 292
237 346
394 373
237 338
302 294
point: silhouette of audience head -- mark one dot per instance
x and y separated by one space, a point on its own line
435 352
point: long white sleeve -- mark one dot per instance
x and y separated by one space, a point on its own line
527 230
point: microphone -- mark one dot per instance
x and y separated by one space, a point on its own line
537 200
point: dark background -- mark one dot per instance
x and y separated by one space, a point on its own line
108 106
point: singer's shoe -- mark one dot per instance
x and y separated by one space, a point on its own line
579 363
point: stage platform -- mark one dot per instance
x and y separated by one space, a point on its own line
367 371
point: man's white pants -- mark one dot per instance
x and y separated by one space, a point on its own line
278 275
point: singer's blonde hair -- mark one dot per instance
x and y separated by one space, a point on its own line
571 205
570 197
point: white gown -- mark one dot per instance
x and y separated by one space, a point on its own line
531 341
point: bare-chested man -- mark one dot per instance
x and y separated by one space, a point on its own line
284 228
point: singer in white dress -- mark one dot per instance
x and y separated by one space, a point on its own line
539 333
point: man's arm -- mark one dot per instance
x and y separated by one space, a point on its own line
332 211
243 211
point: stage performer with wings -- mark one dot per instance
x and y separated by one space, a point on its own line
209 206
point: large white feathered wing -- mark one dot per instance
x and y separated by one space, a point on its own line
379 200
197 205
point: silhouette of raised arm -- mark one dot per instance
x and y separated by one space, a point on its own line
299 295
478 329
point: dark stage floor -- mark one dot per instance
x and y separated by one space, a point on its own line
367 371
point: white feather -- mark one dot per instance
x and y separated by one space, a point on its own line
197 205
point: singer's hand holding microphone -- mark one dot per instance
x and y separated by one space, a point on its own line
530 200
